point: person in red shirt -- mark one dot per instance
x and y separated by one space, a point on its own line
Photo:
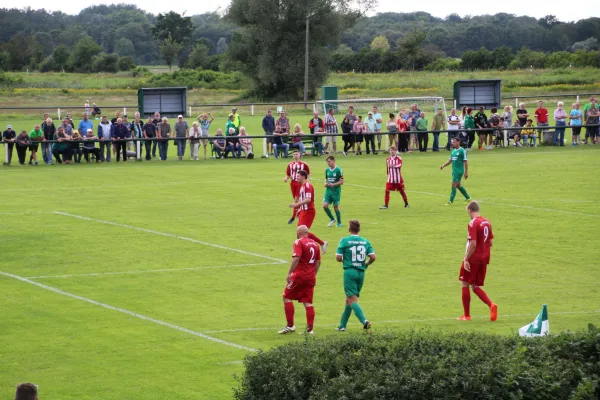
306 206
541 114
394 179
474 266
291 174
301 280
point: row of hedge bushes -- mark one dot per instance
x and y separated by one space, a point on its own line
205 79
427 365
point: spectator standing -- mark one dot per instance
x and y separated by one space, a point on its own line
392 129
163 134
494 123
331 128
204 127
316 122
278 143
470 127
237 122
85 124
413 115
89 146
438 124
453 126
182 131
352 118
585 109
86 108
371 124
359 129
23 143
481 122
149 132
36 136
403 134
347 137
541 117
195 135
522 115
423 134
560 119
575 118
105 135
120 133
49 131
219 143
297 140
67 126
117 116
379 121
61 146
137 132
129 132
246 143
268 125
507 116
10 137
283 123
231 124
592 118
157 120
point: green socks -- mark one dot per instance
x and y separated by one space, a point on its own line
464 192
358 312
453 194
329 214
338 214
345 316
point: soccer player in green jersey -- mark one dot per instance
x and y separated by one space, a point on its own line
334 179
356 254
460 167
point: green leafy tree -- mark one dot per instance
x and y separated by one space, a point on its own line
271 50
198 58
60 57
4 61
124 47
380 43
125 63
411 49
104 62
170 49
174 25
82 58
222 45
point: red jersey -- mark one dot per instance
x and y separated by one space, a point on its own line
480 230
542 115
393 169
307 191
309 253
294 167
401 125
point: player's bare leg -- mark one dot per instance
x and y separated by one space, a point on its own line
288 307
329 214
310 319
484 297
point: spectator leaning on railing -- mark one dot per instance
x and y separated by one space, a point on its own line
89 146
268 125
23 143
575 118
61 146
453 125
163 133
181 133
560 118
49 130
359 130
120 132
371 124
36 136
9 136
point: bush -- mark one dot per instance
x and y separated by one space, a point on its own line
104 62
426 365
200 79
444 64
125 63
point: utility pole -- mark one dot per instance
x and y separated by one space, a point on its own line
306 64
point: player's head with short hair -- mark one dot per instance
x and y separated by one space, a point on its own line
302 176
296 155
26 391
332 158
302 231
330 161
455 142
473 207
393 151
354 226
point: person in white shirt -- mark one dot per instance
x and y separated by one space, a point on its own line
453 125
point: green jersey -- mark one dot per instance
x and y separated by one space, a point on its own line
334 176
458 157
354 251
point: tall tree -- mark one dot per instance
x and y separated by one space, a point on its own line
272 39
411 48
380 43
170 49
174 25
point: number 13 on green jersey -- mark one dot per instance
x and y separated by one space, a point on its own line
355 251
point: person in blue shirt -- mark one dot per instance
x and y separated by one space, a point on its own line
268 125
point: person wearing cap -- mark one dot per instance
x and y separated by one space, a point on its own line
237 122
9 137
181 133
89 146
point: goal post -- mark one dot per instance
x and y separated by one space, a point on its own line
427 104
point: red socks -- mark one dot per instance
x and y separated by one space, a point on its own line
310 317
403 193
315 238
289 312
294 212
483 296
466 300
387 197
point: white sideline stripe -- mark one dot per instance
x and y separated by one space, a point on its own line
124 311
26 213
168 235
401 321
490 202
231 362
150 271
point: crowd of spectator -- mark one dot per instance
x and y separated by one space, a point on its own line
408 129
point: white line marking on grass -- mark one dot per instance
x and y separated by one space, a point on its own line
401 321
124 311
168 235
151 271
231 362
27 213
490 202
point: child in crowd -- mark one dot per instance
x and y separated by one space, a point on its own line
516 134
529 133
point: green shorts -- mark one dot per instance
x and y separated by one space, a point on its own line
332 198
457 176
353 281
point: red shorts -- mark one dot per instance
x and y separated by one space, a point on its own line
306 217
474 277
295 188
391 187
300 290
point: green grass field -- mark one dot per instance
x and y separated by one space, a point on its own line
154 280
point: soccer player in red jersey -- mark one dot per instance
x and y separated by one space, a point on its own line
292 173
394 179
301 280
306 206
474 266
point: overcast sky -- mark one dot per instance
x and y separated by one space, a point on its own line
438 8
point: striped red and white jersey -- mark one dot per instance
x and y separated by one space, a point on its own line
393 169
307 191
294 167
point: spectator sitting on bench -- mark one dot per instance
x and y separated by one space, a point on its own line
219 143
297 140
529 133
318 142
89 146
516 134
278 144
246 143
232 144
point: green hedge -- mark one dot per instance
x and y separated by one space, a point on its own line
205 79
426 365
